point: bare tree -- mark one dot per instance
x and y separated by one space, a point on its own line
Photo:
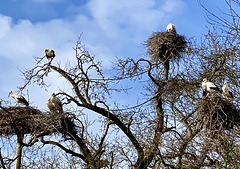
172 125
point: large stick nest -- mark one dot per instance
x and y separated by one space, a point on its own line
218 113
164 46
27 120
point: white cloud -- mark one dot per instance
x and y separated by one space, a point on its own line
5 23
173 7
114 16
26 40
135 16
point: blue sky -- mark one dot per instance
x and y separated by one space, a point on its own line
110 28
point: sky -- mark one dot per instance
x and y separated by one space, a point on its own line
109 28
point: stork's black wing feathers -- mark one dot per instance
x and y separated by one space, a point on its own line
53 53
231 94
23 100
216 88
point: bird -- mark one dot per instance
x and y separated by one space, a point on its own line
50 54
226 90
54 104
19 98
171 28
50 105
209 87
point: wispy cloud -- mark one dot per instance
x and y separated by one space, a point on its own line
5 23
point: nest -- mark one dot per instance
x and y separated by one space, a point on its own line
27 120
164 46
218 113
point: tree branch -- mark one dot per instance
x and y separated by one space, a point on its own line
64 149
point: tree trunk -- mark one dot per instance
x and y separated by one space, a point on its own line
166 70
160 120
19 150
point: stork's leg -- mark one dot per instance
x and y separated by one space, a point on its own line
50 61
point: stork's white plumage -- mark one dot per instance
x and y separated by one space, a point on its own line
209 87
50 54
54 104
19 98
171 28
50 105
226 90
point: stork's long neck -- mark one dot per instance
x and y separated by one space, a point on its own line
52 97
10 94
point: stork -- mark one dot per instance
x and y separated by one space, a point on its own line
209 87
226 90
50 54
171 28
50 105
19 98
54 104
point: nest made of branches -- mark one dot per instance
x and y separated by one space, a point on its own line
164 46
27 120
218 113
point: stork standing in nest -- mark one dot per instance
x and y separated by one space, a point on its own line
50 54
226 90
171 28
54 104
209 87
19 98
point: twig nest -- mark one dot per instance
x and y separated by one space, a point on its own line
218 113
164 46
27 120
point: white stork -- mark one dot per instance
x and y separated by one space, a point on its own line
19 98
209 87
50 54
54 104
50 105
226 90
171 28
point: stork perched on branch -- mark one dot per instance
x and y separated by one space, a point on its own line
54 104
50 54
171 28
226 90
209 87
19 98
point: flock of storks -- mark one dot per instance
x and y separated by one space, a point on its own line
54 104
